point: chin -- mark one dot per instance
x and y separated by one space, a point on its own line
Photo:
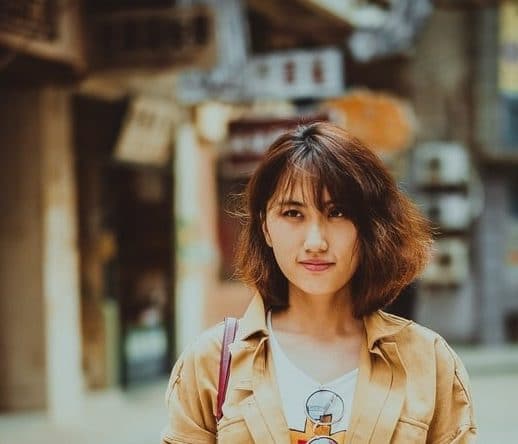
318 290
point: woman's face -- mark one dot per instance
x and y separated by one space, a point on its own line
316 251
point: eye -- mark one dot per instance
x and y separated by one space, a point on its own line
336 212
292 213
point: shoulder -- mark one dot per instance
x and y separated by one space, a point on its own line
192 389
407 333
420 341
427 352
197 366
205 348
410 332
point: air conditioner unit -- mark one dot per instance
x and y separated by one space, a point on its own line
441 164
449 265
451 211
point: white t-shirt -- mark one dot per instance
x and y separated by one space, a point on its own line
303 397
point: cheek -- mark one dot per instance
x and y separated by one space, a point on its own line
349 245
281 235
282 247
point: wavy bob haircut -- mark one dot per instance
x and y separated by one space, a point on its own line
394 237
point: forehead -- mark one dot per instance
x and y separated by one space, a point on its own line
301 188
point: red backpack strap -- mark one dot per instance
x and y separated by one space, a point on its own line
229 335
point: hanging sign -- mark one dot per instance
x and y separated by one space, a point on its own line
508 64
296 74
145 137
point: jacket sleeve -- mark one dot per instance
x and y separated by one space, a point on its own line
189 402
453 421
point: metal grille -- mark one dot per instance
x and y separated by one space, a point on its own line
108 6
153 36
29 18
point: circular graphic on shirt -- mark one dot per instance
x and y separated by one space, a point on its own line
321 440
325 407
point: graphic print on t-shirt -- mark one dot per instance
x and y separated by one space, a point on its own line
310 431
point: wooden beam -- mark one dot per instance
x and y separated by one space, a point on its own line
338 11
298 10
49 51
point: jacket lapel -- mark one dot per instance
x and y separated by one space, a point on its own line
380 390
262 409
267 396
252 359
391 410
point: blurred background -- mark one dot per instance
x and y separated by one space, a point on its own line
127 126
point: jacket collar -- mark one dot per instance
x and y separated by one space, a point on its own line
254 320
378 325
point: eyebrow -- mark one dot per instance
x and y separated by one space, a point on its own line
296 203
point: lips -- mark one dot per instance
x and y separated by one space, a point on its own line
316 265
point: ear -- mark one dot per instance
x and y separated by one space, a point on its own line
267 237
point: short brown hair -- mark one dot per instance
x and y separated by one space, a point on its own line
394 237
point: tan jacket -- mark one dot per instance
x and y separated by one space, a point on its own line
412 388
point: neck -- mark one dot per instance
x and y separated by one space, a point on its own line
319 316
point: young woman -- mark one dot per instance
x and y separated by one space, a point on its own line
328 241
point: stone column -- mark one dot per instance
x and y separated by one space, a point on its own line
61 291
196 255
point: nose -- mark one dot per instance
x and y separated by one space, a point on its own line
315 239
